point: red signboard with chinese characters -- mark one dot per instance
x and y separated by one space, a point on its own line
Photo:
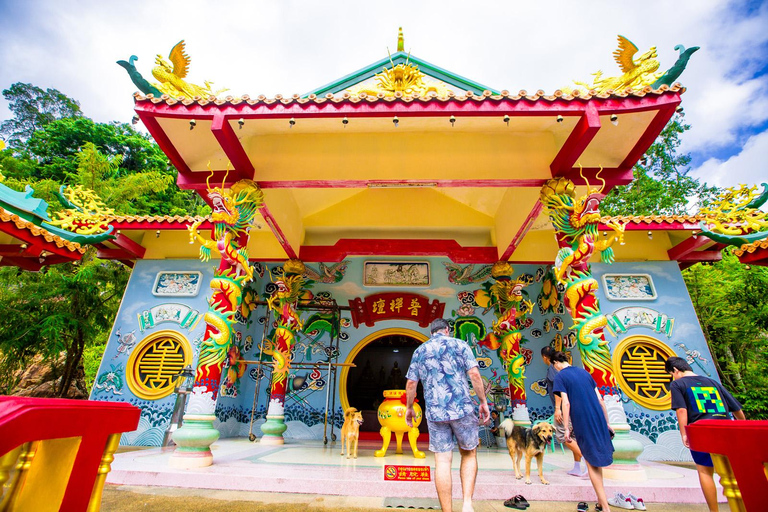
407 473
395 306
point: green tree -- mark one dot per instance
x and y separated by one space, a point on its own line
729 297
55 147
662 185
732 306
59 310
65 311
50 132
33 108
121 191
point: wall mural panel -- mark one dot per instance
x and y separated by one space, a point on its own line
629 287
469 305
177 284
396 273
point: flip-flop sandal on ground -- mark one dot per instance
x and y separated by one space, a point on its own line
515 503
522 501
582 507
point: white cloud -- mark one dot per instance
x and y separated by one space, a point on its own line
669 300
654 269
684 330
349 288
441 292
132 308
748 166
288 47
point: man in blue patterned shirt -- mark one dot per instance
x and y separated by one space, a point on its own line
443 364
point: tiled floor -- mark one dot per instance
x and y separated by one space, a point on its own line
310 467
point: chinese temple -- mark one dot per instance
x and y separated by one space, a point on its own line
347 218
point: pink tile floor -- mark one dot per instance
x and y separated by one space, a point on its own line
309 467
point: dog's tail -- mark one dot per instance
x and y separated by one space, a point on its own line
507 425
350 411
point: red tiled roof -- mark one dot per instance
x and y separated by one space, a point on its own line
750 248
398 96
7 216
655 219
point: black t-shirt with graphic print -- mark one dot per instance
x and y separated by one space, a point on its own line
704 398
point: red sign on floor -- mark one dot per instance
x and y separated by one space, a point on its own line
407 473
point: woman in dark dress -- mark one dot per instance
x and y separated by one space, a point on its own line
589 420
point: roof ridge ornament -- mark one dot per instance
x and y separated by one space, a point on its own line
171 76
638 73
404 78
735 218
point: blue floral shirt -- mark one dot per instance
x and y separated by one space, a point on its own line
441 364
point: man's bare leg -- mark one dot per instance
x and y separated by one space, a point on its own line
468 473
596 477
707 482
443 481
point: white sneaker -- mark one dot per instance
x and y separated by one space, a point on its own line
638 503
621 501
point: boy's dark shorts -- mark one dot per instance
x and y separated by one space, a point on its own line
702 458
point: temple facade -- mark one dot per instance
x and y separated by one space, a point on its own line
346 219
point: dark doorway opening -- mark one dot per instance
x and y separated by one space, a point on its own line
381 365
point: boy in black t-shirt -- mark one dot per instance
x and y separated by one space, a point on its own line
697 398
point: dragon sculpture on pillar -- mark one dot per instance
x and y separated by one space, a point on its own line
283 302
510 308
576 221
233 216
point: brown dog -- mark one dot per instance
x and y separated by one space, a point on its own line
528 441
350 431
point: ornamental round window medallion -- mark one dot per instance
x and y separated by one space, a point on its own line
152 367
638 363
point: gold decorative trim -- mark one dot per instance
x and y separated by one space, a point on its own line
751 247
21 223
640 374
346 97
155 361
344 375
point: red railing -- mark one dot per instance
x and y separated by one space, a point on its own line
740 454
55 454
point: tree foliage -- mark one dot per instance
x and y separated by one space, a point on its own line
68 309
662 185
731 302
62 309
33 109
50 155
730 298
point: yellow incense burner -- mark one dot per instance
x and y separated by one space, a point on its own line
392 419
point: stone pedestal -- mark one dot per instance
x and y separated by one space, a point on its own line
275 425
193 442
273 430
627 449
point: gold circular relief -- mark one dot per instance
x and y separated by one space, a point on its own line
152 367
638 362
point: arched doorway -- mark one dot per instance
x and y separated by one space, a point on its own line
381 362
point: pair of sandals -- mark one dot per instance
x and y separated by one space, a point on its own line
517 502
583 506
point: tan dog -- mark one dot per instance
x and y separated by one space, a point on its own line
350 431
528 441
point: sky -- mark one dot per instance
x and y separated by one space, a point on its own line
290 46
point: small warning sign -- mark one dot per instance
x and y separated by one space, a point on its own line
407 473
